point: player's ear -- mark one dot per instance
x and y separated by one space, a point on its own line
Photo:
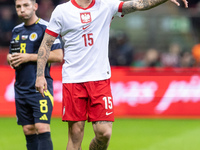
36 6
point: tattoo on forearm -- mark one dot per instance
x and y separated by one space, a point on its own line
43 53
49 42
131 6
40 62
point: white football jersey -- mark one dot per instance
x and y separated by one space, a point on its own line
85 33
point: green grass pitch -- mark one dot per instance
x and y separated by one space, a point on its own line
128 134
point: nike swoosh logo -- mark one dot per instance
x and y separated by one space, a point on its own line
85 27
108 113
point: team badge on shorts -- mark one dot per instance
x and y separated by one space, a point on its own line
85 17
33 36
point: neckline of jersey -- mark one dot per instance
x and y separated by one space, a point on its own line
75 4
33 23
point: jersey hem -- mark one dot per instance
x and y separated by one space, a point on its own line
67 80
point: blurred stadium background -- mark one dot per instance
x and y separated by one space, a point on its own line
155 58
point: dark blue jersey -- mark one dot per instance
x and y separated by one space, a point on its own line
30 38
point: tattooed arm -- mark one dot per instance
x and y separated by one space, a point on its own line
140 5
43 55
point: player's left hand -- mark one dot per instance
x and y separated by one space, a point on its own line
178 4
41 85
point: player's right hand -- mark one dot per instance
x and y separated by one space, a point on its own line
41 85
178 4
9 58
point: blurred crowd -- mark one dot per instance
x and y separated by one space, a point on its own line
122 51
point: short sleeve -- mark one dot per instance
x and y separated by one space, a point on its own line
55 23
116 7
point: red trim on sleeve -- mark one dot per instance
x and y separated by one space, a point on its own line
120 7
51 33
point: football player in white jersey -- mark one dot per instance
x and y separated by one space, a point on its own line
84 27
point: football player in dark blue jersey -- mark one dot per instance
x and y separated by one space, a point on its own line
33 111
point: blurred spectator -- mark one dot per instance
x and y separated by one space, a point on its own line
46 8
120 50
7 24
6 2
150 59
196 54
186 59
112 48
172 57
194 8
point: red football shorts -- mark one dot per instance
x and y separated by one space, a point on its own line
90 101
